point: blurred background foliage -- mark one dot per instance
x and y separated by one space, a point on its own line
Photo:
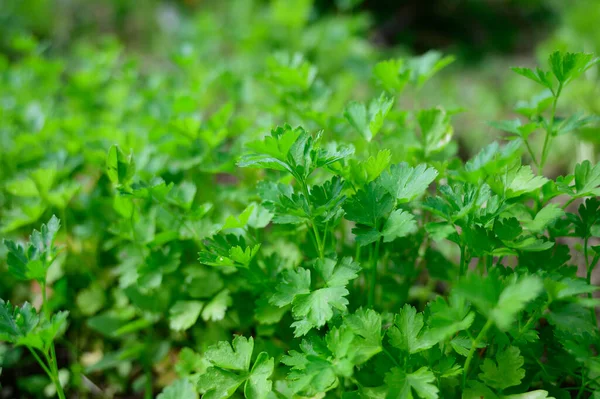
184 85
486 36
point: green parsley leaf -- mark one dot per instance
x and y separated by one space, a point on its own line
313 308
498 302
369 121
425 66
402 384
366 325
506 371
569 66
231 368
436 130
544 218
587 179
183 314
409 333
391 75
32 263
119 168
406 183
400 224
216 308
180 389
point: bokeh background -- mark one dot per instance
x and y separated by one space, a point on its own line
486 37
77 76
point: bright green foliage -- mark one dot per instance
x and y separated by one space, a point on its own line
414 385
119 168
392 75
292 150
506 371
182 389
399 224
231 368
249 216
587 179
436 130
407 334
17 322
32 262
23 326
500 301
184 314
322 362
569 66
406 183
369 121
312 308
544 218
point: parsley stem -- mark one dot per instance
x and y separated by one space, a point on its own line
392 358
582 388
589 268
325 235
463 261
534 317
319 243
313 240
356 382
148 389
44 307
490 263
373 279
586 259
51 359
59 388
549 130
474 344
532 154
41 363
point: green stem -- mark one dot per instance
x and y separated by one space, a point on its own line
463 261
421 253
373 279
53 356
41 363
320 247
319 243
44 307
533 318
589 269
586 259
54 368
325 235
356 382
388 354
474 344
313 239
582 388
531 154
549 130
148 391
358 282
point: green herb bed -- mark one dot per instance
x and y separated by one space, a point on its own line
248 229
